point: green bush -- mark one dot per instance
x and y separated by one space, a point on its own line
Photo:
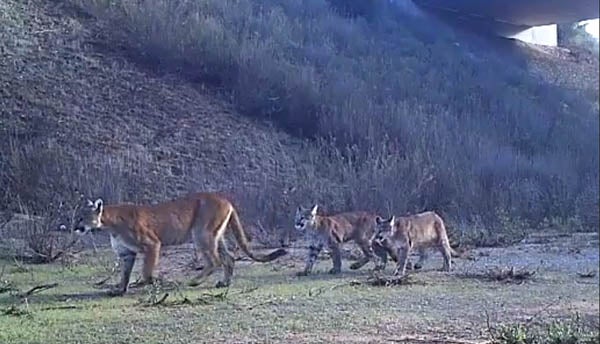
569 331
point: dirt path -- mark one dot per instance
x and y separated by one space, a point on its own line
268 303
452 307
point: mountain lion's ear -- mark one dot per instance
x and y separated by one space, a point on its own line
378 220
313 211
392 221
99 205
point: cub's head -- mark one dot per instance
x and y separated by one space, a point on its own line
383 228
305 217
90 216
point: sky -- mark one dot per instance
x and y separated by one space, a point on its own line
592 27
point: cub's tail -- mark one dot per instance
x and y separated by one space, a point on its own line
242 240
442 230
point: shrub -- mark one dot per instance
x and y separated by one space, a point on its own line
569 331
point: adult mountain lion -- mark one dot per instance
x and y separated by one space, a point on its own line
335 230
200 217
400 235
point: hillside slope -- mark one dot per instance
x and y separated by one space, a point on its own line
393 112
76 115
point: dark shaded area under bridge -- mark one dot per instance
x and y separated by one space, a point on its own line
508 17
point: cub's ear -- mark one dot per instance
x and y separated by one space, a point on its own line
90 203
378 220
99 205
313 211
300 209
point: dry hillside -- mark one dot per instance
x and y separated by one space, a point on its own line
71 107
77 112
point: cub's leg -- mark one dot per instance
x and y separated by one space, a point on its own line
367 255
403 252
423 255
380 254
228 262
313 253
336 257
445 249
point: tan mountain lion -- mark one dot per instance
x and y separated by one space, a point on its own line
202 218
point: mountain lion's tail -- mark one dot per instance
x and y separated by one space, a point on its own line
442 229
240 236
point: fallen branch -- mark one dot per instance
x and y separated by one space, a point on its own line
38 289
54 308
589 274
264 303
387 281
102 281
319 291
15 311
507 275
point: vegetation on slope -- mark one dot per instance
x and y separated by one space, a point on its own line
404 114
75 115
394 95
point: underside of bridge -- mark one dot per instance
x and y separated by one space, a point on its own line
528 20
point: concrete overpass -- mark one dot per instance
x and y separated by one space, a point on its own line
532 21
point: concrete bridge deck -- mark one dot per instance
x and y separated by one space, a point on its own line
511 18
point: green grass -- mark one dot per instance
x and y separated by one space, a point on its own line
288 308
266 303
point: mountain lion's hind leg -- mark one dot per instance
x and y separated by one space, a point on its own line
228 262
210 235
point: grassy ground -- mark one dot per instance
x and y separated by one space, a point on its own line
268 303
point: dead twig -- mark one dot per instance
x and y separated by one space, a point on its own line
38 289
264 303
589 274
102 281
508 275
55 308
319 291
387 281
15 311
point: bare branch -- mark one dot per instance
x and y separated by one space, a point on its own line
37 289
